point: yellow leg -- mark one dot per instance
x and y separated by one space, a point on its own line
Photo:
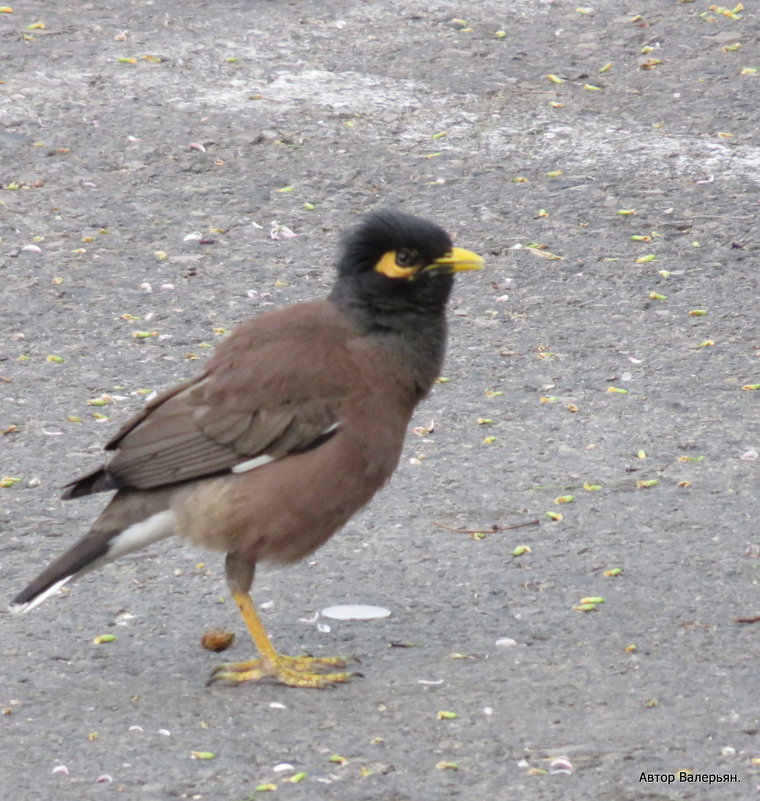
295 671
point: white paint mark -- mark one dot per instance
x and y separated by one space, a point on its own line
355 612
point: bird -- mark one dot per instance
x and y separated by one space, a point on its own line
295 421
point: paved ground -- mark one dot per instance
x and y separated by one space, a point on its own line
235 119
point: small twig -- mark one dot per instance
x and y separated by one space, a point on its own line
755 619
493 530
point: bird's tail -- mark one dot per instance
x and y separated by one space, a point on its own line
106 541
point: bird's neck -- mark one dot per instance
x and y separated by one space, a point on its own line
415 334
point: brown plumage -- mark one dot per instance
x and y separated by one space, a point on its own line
296 421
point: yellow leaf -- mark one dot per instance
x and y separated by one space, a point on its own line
544 254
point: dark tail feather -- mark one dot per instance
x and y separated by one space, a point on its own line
79 559
132 520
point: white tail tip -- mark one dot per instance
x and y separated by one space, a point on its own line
17 609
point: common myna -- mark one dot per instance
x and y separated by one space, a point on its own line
297 419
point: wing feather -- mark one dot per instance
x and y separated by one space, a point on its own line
272 388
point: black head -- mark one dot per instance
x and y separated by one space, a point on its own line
393 262
395 275
397 247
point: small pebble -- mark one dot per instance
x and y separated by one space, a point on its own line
217 639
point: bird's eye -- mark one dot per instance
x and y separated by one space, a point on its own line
406 258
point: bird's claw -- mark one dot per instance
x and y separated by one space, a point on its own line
293 671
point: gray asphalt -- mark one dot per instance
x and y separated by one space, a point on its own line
600 375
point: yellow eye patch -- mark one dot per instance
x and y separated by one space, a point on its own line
387 266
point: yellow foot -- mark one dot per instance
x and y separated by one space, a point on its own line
295 671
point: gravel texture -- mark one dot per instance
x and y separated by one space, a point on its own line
127 127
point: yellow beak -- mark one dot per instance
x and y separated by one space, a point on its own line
458 260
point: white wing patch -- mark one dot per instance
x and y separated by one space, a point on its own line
252 464
264 458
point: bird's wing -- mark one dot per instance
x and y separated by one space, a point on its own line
265 393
